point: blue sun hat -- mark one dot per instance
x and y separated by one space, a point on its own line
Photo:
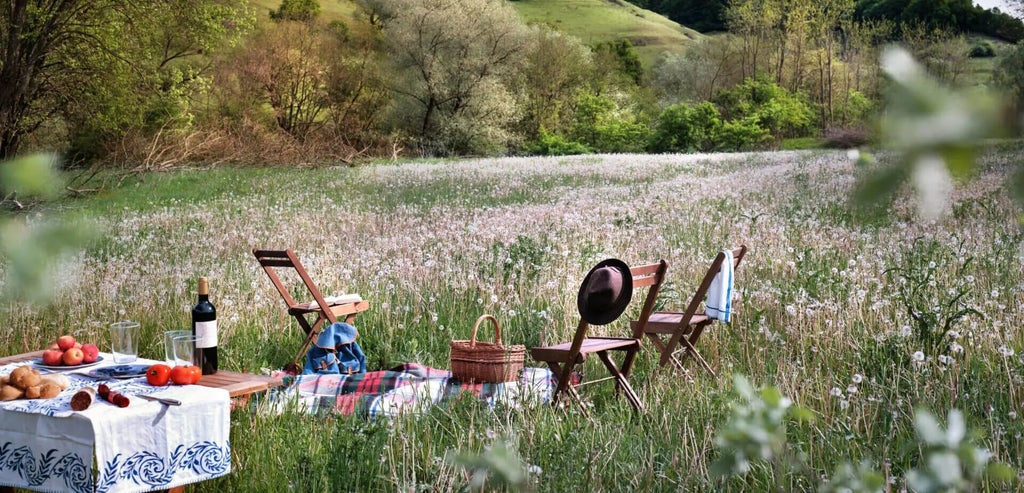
336 351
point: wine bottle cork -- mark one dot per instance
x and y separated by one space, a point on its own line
83 399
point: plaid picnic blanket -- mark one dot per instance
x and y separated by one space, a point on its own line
409 388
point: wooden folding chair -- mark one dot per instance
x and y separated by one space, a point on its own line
563 358
668 331
324 309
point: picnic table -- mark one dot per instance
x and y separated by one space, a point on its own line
147 446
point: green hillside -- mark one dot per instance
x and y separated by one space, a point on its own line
593 21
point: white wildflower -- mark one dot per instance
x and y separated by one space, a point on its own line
1005 351
836 392
857 378
852 389
918 356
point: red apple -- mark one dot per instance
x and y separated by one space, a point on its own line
91 352
55 347
66 342
53 357
77 345
73 356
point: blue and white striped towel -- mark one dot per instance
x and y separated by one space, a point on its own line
719 301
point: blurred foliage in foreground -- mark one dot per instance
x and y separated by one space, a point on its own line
936 132
33 246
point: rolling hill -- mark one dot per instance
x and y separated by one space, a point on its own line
593 21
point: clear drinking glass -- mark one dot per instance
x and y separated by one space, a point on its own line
124 341
185 353
169 337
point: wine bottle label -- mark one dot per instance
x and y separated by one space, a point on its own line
206 334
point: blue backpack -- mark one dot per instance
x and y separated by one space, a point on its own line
336 351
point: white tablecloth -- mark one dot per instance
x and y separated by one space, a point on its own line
45 446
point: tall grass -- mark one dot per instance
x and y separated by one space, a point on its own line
823 312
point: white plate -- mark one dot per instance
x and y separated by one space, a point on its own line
39 362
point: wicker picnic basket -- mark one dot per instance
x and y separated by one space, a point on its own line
486 362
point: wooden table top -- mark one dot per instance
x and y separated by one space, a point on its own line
237 384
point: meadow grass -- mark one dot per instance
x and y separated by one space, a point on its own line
823 307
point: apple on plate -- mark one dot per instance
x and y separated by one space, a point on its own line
90 352
53 357
55 347
73 356
66 342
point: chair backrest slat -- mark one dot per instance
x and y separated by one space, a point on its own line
702 290
650 276
269 259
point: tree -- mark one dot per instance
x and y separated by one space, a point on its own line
453 59
557 69
100 63
710 65
296 10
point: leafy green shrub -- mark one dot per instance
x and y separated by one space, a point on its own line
626 56
552 144
780 112
603 126
296 10
982 49
740 135
683 128
855 108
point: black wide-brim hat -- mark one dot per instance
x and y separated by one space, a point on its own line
605 292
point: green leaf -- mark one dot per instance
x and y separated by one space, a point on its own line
771 396
32 176
1000 472
803 414
960 161
876 189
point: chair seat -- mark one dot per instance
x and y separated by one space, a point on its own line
560 352
667 322
338 309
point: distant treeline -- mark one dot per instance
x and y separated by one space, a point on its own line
958 15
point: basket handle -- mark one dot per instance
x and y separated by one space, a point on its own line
494 322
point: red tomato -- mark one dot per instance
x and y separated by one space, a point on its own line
181 375
158 375
196 373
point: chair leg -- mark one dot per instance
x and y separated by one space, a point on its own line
692 351
311 333
623 383
563 373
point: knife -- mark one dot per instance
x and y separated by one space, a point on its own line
162 400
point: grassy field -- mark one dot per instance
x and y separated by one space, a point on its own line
822 309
